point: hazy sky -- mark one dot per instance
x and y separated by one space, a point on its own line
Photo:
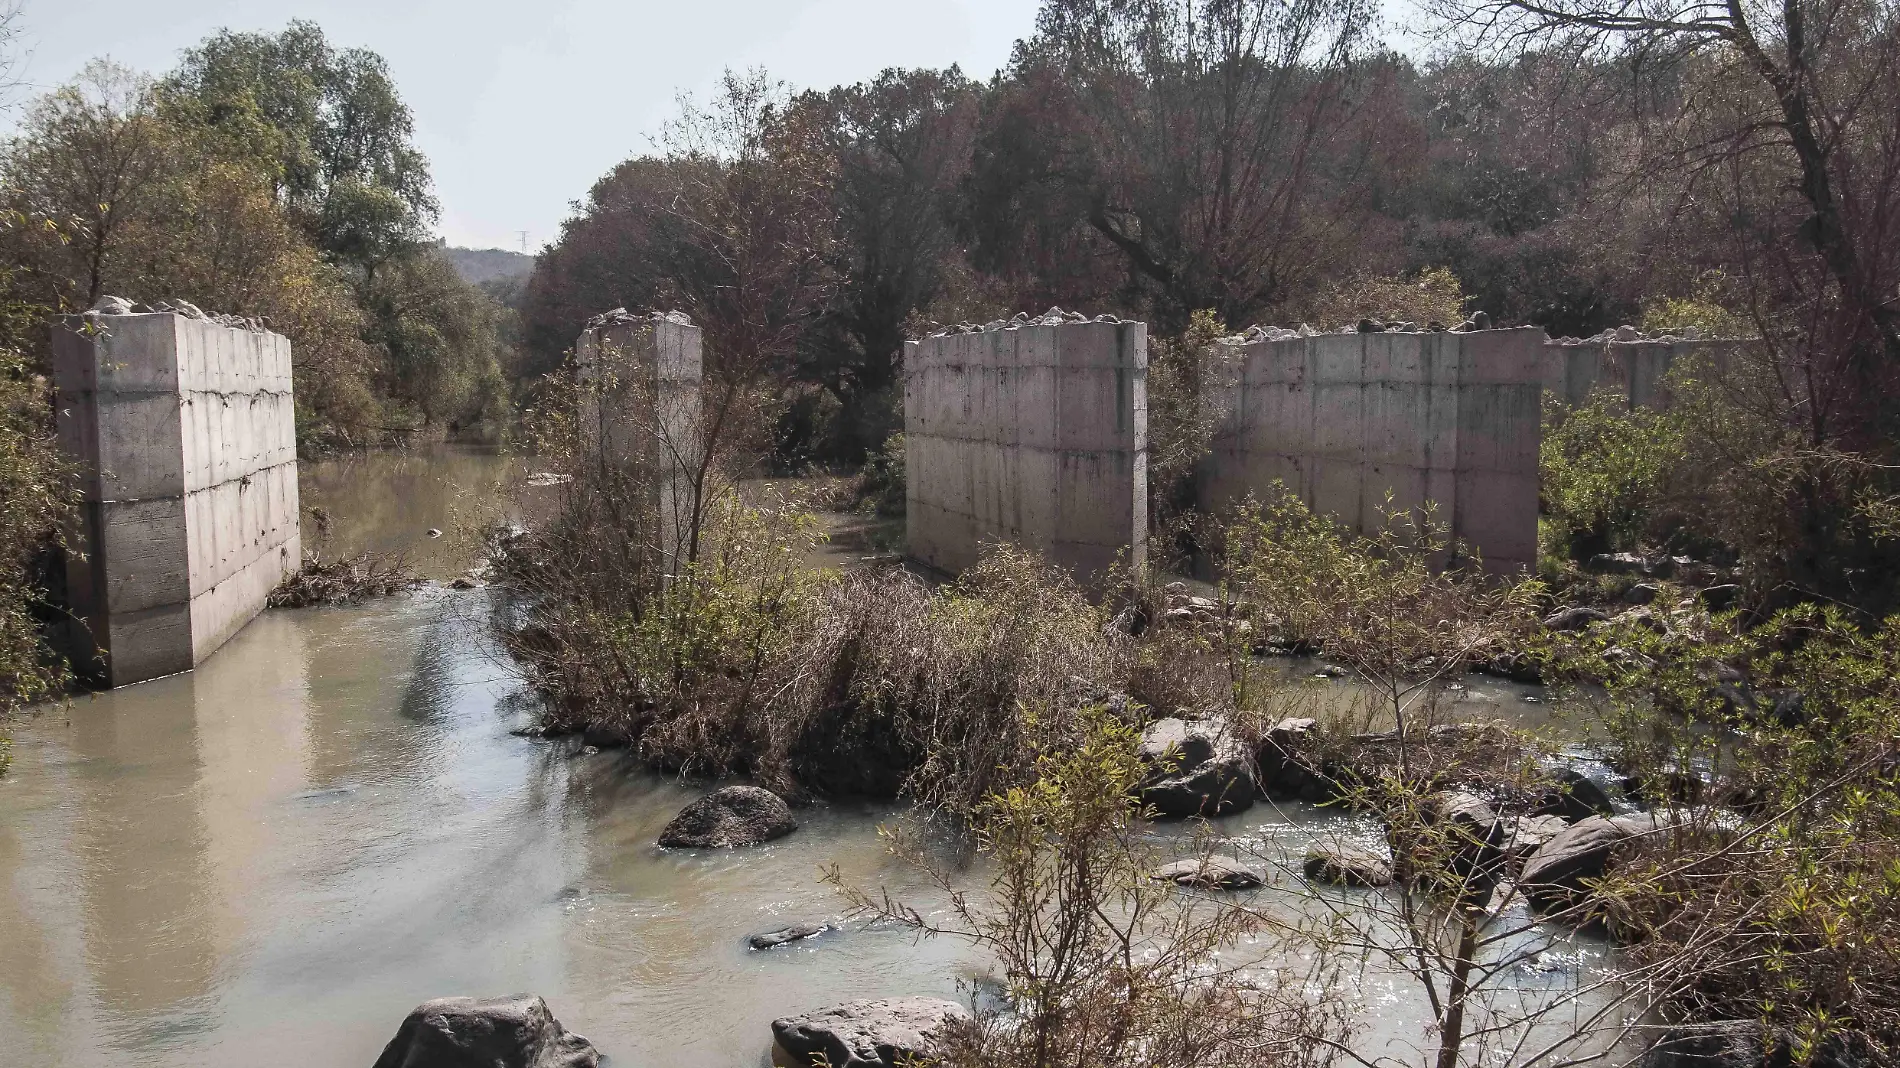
521 106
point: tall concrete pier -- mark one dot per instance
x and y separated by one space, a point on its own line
1033 432
640 376
184 430
1635 367
1344 419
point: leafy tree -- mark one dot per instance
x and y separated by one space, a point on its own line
744 248
329 127
899 144
138 206
89 153
443 340
1216 150
40 497
605 258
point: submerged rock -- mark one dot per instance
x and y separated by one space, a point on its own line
871 1034
730 816
512 1032
1213 873
1347 865
786 935
1198 768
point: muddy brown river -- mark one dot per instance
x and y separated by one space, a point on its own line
270 859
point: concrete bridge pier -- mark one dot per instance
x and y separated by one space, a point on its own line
184 431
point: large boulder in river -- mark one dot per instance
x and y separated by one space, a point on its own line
785 936
871 1034
1468 846
730 816
1558 874
1196 768
1288 768
1210 873
1346 864
1525 835
511 1032
1573 795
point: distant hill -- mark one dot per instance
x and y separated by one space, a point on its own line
478 265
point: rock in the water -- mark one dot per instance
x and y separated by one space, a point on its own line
510 1032
1516 666
1214 873
1288 767
1524 835
1347 865
870 1034
784 935
1557 875
1574 796
1474 833
730 816
1197 768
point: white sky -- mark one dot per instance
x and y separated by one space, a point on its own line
521 106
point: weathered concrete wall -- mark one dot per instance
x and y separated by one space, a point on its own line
1637 368
640 412
1341 419
1033 432
185 431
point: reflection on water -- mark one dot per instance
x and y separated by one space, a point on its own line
387 502
270 859
329 822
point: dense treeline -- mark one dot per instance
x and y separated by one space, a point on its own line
270 176
1257 161
1262 164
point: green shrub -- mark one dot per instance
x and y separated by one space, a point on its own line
881 486
1779 898
1103 963
747 660
1604 468
39 496
1181 420
1433 295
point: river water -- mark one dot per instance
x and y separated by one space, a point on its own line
268 860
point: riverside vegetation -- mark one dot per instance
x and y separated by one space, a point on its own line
1743 858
